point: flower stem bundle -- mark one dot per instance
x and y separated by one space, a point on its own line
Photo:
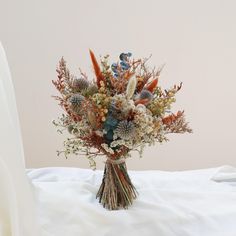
116 190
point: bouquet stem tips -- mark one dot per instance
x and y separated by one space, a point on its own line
116 191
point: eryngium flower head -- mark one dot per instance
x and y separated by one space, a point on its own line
80 84
125 130
92 89
145 94
76 102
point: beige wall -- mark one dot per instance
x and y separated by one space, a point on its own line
196 40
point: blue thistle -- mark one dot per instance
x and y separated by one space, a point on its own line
146 94
76 102
92 89
80 84
125 130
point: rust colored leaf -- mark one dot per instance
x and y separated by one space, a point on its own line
152 85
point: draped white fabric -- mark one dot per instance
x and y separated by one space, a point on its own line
17 214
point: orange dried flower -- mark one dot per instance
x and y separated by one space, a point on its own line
172 118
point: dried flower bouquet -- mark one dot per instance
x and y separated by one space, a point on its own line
122 110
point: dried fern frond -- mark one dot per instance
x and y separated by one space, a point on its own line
64 78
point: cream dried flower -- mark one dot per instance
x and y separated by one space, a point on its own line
131 87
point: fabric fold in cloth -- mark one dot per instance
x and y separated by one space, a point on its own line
225 174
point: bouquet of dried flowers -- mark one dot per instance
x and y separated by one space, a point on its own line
122 110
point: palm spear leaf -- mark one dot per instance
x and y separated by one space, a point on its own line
96 68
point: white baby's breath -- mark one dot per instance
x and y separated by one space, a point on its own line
107 148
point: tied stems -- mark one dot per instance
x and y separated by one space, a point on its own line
116 190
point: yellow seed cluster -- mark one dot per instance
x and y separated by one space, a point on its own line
102 101
160 105
102 87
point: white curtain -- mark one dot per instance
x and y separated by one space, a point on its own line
17 207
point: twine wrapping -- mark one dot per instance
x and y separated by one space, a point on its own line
116 161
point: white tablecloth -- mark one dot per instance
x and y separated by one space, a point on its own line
187 203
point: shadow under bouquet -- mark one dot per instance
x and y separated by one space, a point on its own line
123 109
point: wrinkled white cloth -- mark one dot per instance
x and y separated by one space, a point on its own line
225 174
186 203
17 215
